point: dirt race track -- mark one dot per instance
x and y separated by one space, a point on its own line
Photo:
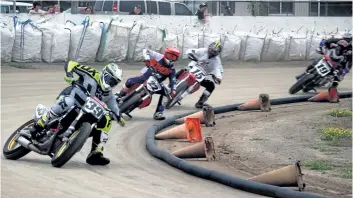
133 172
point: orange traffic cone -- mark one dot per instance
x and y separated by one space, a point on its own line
206 116
327 96
190 130
193 126
289 176
263 104
204 149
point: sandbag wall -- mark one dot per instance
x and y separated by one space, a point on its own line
113 40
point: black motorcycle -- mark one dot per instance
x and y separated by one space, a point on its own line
63 136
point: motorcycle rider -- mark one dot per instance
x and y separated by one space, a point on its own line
340 53
99 84
208 59
329 44
160 66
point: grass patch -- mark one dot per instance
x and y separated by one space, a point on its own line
335 134
322 148
347 173
317 165
340 112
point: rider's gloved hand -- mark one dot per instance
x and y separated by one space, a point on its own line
173 93
69 78
122 122
147 62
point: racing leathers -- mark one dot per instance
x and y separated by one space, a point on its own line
212 66
161 68
89 79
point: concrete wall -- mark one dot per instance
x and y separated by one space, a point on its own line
215 24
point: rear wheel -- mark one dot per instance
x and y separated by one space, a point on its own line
179 90
68 149
300 83
12 150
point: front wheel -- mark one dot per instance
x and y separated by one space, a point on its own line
68 149
300 83
129 103
179 90
12 150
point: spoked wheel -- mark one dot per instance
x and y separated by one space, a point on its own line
180 90
13 150
67 149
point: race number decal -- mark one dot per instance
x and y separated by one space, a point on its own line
153 85
95 109
323 69
199 74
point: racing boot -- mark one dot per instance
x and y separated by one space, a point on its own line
34 131
96 156
202 101
158 115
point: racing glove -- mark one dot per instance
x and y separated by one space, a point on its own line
69 78
119 119
173 93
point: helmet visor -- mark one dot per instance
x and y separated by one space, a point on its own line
110 80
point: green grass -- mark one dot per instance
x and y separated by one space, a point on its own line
335 134
340 112
323 148
317 165
347 173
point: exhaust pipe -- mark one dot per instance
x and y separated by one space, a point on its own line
28 145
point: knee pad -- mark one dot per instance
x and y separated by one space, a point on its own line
105 124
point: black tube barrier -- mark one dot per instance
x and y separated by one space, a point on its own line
238 183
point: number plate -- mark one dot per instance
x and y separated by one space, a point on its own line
199 74
322 68
153 85
94 108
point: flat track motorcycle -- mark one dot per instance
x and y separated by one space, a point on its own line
188 83
63 137
318 76
140 95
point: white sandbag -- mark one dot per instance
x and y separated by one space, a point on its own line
86 50
313 43
187 41
55 42
296 47
115 42
209 38
274 49
171 40
28 43
150 37
231 47
253 47
7 41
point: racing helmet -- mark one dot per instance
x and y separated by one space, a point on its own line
172 53
214 49
111 76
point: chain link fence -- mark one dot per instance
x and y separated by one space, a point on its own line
312 8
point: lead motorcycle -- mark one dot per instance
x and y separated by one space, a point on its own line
63 136
140 95
188 82
318 76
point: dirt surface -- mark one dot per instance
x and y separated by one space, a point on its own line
133 172
252 143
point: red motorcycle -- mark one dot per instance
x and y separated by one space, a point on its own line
187 83
140 95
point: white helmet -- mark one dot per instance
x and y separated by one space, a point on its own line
111 76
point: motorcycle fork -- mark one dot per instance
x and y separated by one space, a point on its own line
190 90
71 128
